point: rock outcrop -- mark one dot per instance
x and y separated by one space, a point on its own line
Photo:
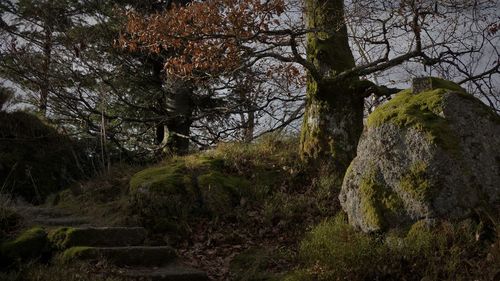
424 155
165 196
35 159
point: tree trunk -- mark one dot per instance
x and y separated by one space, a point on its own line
177 106
180 108
333 120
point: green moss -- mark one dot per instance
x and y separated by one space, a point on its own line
421 111
328 48
378 203
62 237
416 182
194 178
58 237
220 192
445 251
337 247
32 243
75 253
160 179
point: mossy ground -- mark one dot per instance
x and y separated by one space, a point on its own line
167 195
73 253
335 251
258 264
269 198
269 218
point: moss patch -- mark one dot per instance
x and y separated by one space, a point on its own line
196 180
378 203
75 253
58 237
30 244
416 182
220 192
338 248
333 250
421 111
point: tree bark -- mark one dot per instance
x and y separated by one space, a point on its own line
177 106
333 119
180 107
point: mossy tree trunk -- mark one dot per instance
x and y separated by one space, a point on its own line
333 120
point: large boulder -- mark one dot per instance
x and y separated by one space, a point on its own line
430 154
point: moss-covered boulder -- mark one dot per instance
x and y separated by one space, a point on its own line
30 244
424 155
35 159
165 196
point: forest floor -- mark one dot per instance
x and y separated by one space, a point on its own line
295 230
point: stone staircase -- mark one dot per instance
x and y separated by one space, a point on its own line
124 247
50 217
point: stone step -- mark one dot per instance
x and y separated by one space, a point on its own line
50 212
67 237
122 256
170 272
61 221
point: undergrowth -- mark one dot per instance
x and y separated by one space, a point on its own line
447 251
262 233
